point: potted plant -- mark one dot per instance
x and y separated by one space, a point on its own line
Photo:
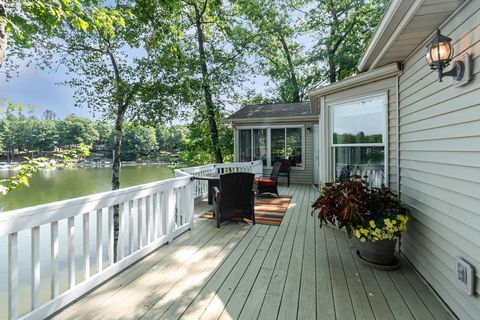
374 216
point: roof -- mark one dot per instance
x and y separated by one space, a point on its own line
405 26
273 110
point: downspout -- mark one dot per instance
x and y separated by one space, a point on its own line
397 111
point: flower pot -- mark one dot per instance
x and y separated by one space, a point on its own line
378 252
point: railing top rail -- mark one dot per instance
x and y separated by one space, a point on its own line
25 218
197 169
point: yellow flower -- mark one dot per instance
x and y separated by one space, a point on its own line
357 233
372 224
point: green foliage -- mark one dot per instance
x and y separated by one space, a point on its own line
271 27
197 148
342 29
138 142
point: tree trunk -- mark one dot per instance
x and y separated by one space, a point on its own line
206 88
3 31
332 72
117 141
291 70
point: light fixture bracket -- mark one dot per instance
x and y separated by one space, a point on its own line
466 74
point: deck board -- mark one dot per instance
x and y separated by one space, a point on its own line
292 271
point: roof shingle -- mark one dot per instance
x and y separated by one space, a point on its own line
273 110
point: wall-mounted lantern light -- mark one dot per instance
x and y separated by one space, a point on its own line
439 55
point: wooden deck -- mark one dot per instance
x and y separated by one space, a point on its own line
292 271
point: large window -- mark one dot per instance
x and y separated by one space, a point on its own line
282 143
252 145
358 139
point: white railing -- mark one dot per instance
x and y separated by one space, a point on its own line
150 215
201 186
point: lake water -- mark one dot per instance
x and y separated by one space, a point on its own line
55 185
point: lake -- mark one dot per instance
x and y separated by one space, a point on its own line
73 182
55 185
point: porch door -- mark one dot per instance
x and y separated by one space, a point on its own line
316 154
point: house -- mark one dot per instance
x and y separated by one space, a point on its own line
393 120
270 132
419 136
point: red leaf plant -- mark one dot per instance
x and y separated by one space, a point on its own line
352 202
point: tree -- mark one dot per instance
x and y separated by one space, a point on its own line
343 29
139 142
116 66
209 63
76 130
273 28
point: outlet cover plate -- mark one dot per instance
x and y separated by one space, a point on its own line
465 275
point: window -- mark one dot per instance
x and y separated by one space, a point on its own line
358 139
252 145
282 143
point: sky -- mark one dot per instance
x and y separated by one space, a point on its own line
39 88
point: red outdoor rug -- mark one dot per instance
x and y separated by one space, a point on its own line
267 210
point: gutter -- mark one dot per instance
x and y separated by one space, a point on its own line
312 117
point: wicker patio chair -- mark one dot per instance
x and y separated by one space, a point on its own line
269 184
236 197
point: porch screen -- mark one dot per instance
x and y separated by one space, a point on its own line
358 139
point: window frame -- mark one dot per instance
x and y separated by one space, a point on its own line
384 144
269 144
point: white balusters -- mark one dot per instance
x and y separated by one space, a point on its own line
86 245
35 277
111 248
12 275
164 210
99 239
139 224
54 286
130 226
71 252
148 227
121 233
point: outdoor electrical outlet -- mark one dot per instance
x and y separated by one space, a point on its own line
465 276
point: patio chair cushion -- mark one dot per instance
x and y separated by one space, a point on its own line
265 181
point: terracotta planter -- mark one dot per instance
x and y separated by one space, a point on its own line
378 252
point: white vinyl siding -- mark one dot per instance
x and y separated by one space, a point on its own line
440 166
